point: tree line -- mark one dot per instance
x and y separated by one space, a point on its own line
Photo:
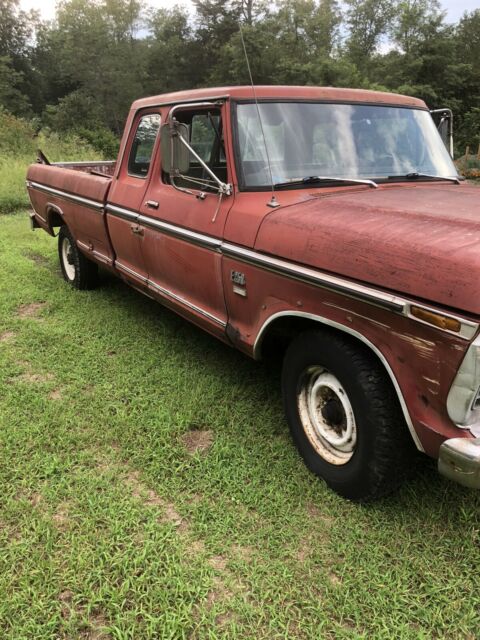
81 71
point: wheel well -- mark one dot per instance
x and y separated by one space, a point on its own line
278 334
55 218
282 330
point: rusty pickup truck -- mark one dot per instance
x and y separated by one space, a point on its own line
327 225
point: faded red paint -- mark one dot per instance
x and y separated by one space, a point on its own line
421 241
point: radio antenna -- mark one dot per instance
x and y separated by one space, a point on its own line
273 202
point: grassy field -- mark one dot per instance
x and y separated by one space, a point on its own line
149 488
19 141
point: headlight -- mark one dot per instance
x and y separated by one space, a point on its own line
463 403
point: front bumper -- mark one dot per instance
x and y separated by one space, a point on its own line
459 460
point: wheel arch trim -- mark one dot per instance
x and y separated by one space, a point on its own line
356 334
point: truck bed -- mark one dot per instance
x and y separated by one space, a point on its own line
73 193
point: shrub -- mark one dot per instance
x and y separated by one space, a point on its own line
19 140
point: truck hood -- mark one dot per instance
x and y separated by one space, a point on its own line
421 240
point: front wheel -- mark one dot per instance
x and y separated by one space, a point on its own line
77 270
344 415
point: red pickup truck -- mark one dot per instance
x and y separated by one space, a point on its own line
328 224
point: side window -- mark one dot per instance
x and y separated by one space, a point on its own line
142 145
203 135
206 138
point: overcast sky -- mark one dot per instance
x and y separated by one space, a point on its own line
454 8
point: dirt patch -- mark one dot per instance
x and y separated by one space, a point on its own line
37 258
29 375
34 377
303 551
6 336
150 498
66 598
196 549
30 310
315 513
334 579
60 517
35 499
243 553
218 563
56 394
219 593
198 440
97 631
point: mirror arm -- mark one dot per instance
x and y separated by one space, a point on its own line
223 187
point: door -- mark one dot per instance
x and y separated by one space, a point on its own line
184 219
126 195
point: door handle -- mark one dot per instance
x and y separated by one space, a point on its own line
137 229
153 204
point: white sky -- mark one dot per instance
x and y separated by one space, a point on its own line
454 8
47 7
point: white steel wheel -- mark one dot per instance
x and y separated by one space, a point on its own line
77 269
344 415
327 415
68 258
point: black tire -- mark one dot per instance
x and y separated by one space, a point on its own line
374 460
77 270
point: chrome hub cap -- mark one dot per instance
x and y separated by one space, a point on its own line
327 415
67 259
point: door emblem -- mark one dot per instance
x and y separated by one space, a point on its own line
237 277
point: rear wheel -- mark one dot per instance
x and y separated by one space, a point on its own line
77 270
344 415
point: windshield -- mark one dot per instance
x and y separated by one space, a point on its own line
338 140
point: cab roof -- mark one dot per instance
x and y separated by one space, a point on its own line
332 94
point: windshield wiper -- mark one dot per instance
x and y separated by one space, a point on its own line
314 179
415 176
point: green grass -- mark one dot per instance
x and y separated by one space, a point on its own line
18 148
111 528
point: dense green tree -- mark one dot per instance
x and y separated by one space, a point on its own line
83 69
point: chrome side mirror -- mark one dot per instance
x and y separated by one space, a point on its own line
445 127
175 155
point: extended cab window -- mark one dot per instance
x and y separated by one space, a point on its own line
142 145
205 132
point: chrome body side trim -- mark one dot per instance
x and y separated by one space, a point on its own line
355 334
84 163
130 272
166 293
312 276
98 254
91 204
173 296
397 304
193 237
120 212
